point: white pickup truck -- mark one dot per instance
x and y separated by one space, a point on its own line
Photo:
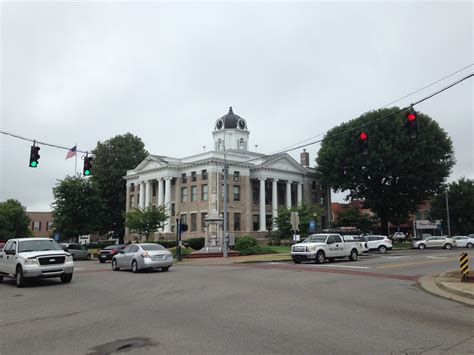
35 258
319 247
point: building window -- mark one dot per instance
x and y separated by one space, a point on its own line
132 202
153 189
173 209
193 176
203 217
184 194
36 226
184 219
219 144
204 175
204 192
173 181
132 187
256 222
49 226
236 193
241 143
184 179
236 176
194 192
236 222
314 185
193 222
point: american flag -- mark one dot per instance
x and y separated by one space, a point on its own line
71 152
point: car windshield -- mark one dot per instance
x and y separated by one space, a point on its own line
112 247
316 239
152 247
38 245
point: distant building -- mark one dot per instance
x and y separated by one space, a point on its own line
258 184
41 224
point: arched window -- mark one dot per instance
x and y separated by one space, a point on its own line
241 143
219 144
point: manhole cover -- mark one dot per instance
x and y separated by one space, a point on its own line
121 346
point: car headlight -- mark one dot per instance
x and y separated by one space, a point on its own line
32 261
69 258
313 248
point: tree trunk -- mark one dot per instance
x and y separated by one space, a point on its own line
384 226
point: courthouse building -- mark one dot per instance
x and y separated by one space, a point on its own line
258 184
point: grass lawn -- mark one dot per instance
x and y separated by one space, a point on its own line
281 249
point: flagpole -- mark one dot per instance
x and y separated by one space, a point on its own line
75 163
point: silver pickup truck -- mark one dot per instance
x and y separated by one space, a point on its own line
319 247
25 258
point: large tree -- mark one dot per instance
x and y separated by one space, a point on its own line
461 206
305 213
14 222
77 207
112 159
398 173
146 221
351 216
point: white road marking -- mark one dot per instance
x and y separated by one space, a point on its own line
396 257
437 257
78 269
347 266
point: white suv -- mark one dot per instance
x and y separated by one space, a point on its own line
379 242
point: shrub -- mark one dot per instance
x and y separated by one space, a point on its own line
195 243
257 250
184 251
167 243
245 243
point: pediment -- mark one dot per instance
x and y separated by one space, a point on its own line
150 163
283 162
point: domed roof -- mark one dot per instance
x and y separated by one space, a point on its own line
231 121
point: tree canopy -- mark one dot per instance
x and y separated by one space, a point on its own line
398 173
305 212
112 159
461 206
352 217
14 222
77 207
146 221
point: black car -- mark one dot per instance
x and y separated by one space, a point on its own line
108 252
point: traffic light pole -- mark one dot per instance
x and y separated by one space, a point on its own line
178 239
226 173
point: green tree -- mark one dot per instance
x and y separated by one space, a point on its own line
351 217
112 159
14 222
145 221
398 173
461 206
77 207
305 212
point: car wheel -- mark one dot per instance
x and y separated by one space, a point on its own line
66 278
320 257
353 256
19 278
421 246
114 265
469 245
448 246
166 268
1 279
73 257
296 260
382 249
135 266
102 261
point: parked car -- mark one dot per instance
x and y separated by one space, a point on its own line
108 252
399 237
379 242
434 242
25 258
143 256
357 238
2 245
464 242
77 251
319 247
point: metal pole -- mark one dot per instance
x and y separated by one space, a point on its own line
226 170
447 214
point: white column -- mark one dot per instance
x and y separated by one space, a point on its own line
168 203
300 193
274 203
127 197
288 194
262 205
142 193
160 199
148 193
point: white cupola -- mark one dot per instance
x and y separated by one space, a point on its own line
231 131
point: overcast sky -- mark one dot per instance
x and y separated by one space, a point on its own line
85 72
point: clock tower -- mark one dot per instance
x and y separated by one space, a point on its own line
231 132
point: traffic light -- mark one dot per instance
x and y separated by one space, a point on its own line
184 227
411 124
87 166
364 143
34 156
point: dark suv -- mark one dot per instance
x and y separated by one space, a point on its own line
108 252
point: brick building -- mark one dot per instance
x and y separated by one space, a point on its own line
258 184
41 224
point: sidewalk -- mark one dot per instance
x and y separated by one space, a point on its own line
449 285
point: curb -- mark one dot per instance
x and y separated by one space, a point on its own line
429 284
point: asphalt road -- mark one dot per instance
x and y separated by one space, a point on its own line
370 306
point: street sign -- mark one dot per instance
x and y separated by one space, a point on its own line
295 221
312 225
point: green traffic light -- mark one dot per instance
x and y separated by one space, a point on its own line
34 164
87 172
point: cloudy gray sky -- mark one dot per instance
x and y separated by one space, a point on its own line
86 71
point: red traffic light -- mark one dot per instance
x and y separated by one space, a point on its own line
411 116
363 136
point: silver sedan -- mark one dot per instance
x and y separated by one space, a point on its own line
143 256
